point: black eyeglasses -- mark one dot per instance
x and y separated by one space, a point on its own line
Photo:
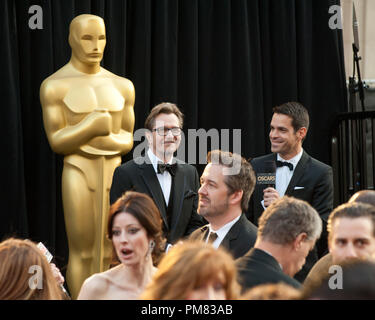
176 131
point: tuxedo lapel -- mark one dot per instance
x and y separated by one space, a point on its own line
152 183
298 173
226 242
179 186
232 234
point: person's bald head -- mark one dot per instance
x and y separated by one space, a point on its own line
364 196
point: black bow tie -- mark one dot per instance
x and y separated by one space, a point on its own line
171 168
284 163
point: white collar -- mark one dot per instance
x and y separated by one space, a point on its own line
155 159
221 233
294 160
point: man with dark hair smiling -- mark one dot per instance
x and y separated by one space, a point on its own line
297 174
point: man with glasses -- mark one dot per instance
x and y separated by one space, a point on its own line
172 183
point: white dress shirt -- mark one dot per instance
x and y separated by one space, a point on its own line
165 178
284 174
222 232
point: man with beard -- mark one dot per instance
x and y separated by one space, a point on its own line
226 186
171 183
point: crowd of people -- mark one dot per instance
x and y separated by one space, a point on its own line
194 269
224 236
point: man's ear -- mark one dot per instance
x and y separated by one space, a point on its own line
236 197
301 133
299 240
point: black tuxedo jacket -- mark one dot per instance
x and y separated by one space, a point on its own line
239 239
312 175
258 267
315 183
142 178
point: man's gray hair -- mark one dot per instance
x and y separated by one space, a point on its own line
288 217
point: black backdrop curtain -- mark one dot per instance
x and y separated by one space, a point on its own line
225 63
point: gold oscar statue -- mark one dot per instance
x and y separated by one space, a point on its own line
89 118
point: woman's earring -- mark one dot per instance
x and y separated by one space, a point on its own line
152 244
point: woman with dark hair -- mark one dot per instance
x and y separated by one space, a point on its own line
135 228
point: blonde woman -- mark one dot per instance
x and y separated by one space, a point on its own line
194 271
19 267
